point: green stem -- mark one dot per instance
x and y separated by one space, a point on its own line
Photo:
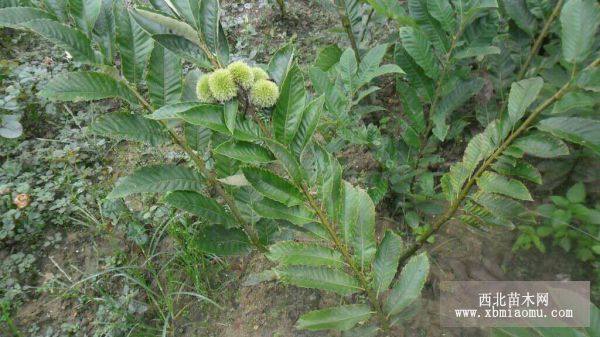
210 178
454 206
341 8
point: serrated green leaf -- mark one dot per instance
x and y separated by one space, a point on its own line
287 114
14 17
541 144
172 111
155 23
130 127
197 137
386 261
72 40
358 224
290 253
298 215
230 111
245 152
207 115
443 13
522 95
183 48
188 10
418 47
135 46
408 287
452 101
85 13
328 57
340 318
517 10
494 183
519 169
156 179
287 160
197 204
210 26
86 86
415 74
164 77
579 21
221 241
281 63
577 130
323 278
308 125
273 186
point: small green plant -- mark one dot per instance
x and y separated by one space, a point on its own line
568 222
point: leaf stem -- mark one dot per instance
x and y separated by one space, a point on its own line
341 8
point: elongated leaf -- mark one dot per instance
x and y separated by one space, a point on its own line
281 63
308 124
415 74
443 13
541 144
287 160
359 224
131 127
370 62
386 261
408 287
157 179
418 47
273 186
521 95
517 10
290 253
199 205
494 183
328 57
323 278
14 17
172 111
579 20
287 115
72 40
222 241
455 99
517 168
230 111
209 25
298 215
577 130
245 152
86 86
164 77
106 31
135 46
187 9
155 23
85 13
207 115
340 318
184 48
